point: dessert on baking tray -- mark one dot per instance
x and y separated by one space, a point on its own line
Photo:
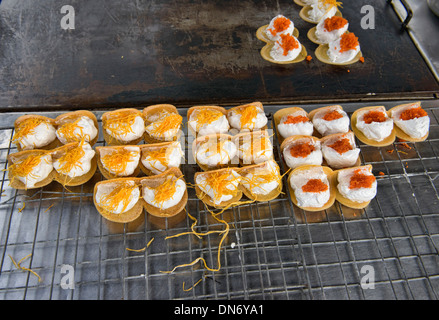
165 194
411 122
278 26
312 187
29 169
328 30
74 163
253 147
203 120
118 200
301 150
291 122
123 126
329 120
339 150
118 161
214 151
356 186
342 51
373 126
34 132
76 126
162 123
218 188
247 117
320 10
156 158
261 182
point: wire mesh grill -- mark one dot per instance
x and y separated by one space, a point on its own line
273 250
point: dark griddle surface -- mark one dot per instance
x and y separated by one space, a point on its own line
188 52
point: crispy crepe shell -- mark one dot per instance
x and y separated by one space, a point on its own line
72 116
112 141
51 145
400 133
107 174
150 110
213 137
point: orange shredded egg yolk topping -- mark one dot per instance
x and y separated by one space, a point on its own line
279 25
220 182
374 116
301 150
257 144
341 146
166 190
159 155
207 116
288 43
248 115
331 3
413 113
295 119
334 23
120 194
361 180
118 160
315 186
25 128
120 123
67 130
332 115
170 122
71 157
25 167
348 42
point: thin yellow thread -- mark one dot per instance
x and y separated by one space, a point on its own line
18 266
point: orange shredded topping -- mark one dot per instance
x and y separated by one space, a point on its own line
341 146
220 183
288 43
120 194
374 116
25 167
171 121
348 42
413 113
332 115
279 25
334 23
331 3
120 123
248 115
118 160
361 180
206 116
296 119
166 190
67 130
315 186
301 150
159 155
26 128
69 160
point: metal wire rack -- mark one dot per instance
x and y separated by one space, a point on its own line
273 250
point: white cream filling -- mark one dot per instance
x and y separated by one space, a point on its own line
326 36
39 172
262 153
86 128
315 157
325 127
42 135
336 56
272 37
277 52
150 193
310 199
82 167
377 131
207 154
136 130
106 188
132 162
173 159
416 127
337 160
261 188
291 129
220 125
319 11
212 193
260 121
357 195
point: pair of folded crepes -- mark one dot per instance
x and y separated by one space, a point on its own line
130 160
122 200
72 164
40 132
336 150
315 188
154 124
216 151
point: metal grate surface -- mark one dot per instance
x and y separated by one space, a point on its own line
273 250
